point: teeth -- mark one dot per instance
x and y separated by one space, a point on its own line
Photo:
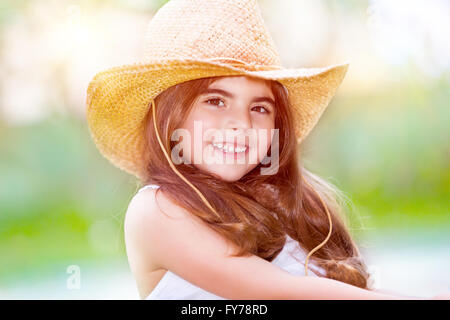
229 148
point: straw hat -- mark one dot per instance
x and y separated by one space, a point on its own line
191 39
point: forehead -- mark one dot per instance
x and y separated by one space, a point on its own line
243 84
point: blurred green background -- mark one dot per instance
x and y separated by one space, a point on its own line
384 139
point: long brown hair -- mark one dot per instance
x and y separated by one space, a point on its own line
257 211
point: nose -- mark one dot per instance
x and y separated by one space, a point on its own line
238 120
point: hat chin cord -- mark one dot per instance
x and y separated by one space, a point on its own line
213 210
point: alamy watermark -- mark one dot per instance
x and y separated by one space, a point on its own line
74 279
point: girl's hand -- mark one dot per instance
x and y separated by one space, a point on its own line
442 296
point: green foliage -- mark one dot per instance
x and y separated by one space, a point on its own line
56 189
389 151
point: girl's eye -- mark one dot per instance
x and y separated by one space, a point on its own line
262 109
215 101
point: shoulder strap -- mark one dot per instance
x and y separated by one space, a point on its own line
151 186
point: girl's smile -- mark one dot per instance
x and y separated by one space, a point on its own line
230 150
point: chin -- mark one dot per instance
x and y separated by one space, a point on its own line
231 178
227 174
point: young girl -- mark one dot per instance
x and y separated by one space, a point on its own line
211 123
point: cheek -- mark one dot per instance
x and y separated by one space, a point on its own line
265 130
197 124
266 126
268 142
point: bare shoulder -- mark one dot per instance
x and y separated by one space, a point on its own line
151 209
152 223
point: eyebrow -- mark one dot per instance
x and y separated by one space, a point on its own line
230 95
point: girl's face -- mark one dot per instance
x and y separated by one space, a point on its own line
224 126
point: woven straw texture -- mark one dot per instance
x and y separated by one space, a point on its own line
192 39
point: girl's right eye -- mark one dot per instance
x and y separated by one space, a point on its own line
215 101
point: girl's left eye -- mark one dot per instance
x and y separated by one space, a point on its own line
264 110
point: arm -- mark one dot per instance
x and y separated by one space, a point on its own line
384 291
184 244
329 289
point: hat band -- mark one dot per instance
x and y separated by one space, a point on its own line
250 66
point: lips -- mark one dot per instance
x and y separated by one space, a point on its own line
230 147
231 143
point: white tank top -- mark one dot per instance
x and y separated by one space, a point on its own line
172 287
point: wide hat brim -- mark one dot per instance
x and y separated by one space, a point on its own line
119 98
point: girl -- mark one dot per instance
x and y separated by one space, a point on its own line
211 123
